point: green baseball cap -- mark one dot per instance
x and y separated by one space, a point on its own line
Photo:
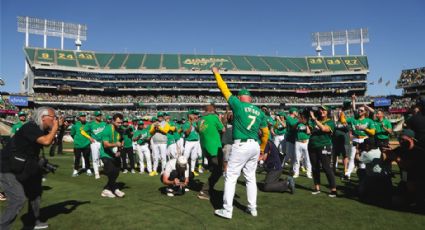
166 114
108 117
22 113
244 92
408 132
293 109
82 114
97 113
154 119
125 119
160 114
324 107
281 114
140 122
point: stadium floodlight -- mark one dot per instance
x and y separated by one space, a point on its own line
347 37
38 26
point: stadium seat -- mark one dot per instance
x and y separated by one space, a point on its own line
241 63
117 61
335 64
258 63
152 61
66 58
30 53
134 61
103 59
290 65
301 63
274 64
45 55
316 63
170 61
86 59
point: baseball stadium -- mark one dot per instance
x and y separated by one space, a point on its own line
160 140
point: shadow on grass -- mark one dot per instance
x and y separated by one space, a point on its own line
51 211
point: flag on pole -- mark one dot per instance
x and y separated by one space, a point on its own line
371 83
388 83
380 80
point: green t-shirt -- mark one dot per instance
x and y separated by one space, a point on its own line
177 134
80 141
16 127
291 129
193 135
170 135
365 123
127 137
209 131
247 119
279 130
302 132
110 135
144 136
318 138
381 134
95 129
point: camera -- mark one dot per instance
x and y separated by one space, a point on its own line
306 111
70 119
46 166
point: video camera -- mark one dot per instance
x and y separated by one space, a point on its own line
46 166
70 119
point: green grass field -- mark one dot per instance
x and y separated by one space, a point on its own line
75 203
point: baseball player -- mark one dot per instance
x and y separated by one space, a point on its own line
279 129
248 120
192 148
142 137
93 131
159 130
22 119
171 140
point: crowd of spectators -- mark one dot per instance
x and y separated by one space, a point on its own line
412 77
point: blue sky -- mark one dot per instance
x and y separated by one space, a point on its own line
396 30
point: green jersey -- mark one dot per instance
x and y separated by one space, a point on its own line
144 135
16 127
291 127
80 141
95 129
279 129
365 123
381 133
193 135
247 119
112 136
177 134
209 131
170 135
318 138
302 132
127 136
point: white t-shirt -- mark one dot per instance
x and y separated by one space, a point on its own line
171 165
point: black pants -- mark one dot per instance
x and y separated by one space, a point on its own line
85 152
215 165
317 158
111 168
57 144
124 153
273 183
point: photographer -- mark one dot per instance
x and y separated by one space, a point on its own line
320 148
176 176
21 171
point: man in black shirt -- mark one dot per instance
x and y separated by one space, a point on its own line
20 174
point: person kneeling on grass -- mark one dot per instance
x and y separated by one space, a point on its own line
176 176
273 166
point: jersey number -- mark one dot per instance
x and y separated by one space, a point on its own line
252 121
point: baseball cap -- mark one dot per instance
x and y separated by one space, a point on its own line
244 92
22 113
97 113
181 161
108 117
324 107
82 114
125 119
281 114
293 109
160 114
166 114
154 119
140 122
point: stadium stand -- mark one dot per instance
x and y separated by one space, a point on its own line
412 81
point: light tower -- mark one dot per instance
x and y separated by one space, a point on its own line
346 37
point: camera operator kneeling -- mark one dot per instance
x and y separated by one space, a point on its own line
22 169
177 176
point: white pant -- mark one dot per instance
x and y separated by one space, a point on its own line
180 147
159 151
95 156
144 153
172 151
278 141
301 151
192 150
244 156
351 165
